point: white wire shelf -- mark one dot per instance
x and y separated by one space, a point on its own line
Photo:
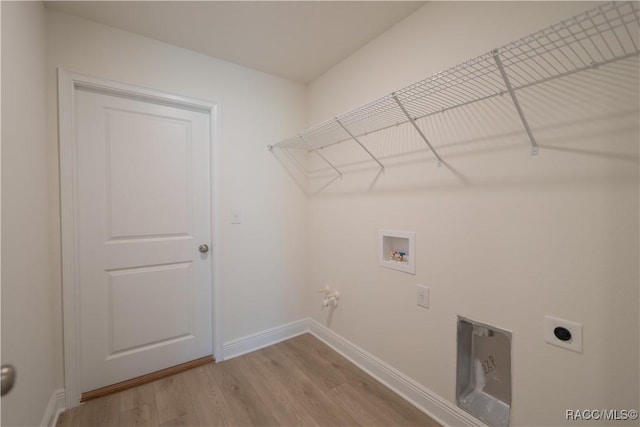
597 37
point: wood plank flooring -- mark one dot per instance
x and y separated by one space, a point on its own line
298 382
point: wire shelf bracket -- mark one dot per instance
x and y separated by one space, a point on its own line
415 125
296 161
320 155
597 37
360 144
514 98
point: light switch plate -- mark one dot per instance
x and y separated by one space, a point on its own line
574 343
422 296
236 216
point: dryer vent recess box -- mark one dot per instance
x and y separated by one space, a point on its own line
483 380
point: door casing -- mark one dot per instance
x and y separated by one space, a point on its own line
68 83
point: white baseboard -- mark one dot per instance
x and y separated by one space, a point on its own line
264 338
441 410
54 408
438 408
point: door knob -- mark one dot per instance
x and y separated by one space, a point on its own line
203 248
8 374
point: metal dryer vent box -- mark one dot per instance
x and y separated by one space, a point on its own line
483 374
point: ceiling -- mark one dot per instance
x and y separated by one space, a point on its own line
298 40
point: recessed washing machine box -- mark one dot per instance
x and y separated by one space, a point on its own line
483 375
396 250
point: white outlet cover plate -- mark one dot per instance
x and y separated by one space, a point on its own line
424 300
574 344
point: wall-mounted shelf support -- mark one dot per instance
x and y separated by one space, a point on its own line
514 98
295 161
415 125
360 144
320 155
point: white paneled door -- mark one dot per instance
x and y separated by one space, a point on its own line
143 209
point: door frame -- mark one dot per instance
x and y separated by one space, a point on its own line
68 83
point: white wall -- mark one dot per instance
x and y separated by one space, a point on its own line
28 319
501 237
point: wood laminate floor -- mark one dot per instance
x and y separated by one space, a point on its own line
298 382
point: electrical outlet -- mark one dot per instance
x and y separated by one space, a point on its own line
563 333
423 296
